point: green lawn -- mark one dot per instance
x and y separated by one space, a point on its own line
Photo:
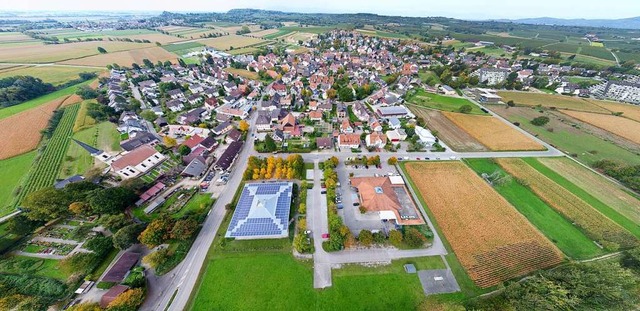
439 102
50 74
183 48
429 77
35 266
585 196
560 231
198 202
9 111
77 160
14 170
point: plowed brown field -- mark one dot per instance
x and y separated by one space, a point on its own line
493 242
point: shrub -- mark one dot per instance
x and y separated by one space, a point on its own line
395 237
540 121
414 238
129 300
465 109
365 237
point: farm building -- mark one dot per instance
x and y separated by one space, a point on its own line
388 197
262 211
426 138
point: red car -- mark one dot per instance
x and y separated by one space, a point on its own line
325 235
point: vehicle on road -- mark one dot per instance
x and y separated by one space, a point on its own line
340 206
323 192
325 235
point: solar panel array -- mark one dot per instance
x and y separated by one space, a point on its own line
242 225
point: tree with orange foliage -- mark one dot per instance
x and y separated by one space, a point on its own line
129 300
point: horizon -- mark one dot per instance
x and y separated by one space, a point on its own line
458 9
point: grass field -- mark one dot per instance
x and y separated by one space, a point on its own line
33 266
50 74
277 34
183 48
623 127
103 136
83 120
14 170
125 58
548 100
603 189
9 111
230 42
492 240
16 39
439 102
243 73
560 231
60 52
493 133
593 223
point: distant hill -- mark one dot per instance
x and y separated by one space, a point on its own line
623 23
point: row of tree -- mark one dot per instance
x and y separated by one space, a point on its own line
275 167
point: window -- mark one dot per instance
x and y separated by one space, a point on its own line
144 165
156 156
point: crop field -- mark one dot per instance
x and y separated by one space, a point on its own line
548 100
125 58
155 37
277 34
622 127
50 74
17 39
492 240
453 136
263 33
13 172
183 48
243 73
73 99
603 189
45 99
311 29
493 133
628 111
190 32
60 52
45 170
232 41
382 34
83 120
232 29
569 239
594 224
297 36
439 102
21 132
103 136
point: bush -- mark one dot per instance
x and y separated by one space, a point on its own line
540 121
465 109
414 238
156 258
127 301
365 237
395 237
105 285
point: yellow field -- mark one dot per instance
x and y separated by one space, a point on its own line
493 242
595 225
155 37
550 100
233 29
598 186
226 42
243 73
629 111
50 74
263 33
492 132
21 132
61 52
189 32
125 58
620 126
83 120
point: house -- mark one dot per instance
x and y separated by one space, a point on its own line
346 127
209 143
324 142
193 141
394 123
277 135
137 162
425 137
175 105
210 103
360 111
234 135
195 168
377 140
396 136
447 90
393 111
222 128
263 123
194 99
288 124
375 125
341 110
175 94
131 125
278 88
193 116
315 115
229 156
138 139
383 196
349 141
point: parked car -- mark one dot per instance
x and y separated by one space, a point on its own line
340 206
323 192
356 203
325 235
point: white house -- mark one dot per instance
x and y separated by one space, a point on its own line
426 138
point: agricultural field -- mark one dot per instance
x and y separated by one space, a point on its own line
594 224
493 242
183 48
45 170
50 74
125 58
440 102
243 73
382 34
569 239
83 120
45 99
603 189
623 127
453 136
296 36
493 133
548 101
13 172
230 42
263 33
628 110
311 29
232 29
60 52
190 32
277 34
22 132
103 136
8 39
586 143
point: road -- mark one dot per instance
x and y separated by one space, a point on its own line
182 279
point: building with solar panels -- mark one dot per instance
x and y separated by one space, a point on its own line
262 212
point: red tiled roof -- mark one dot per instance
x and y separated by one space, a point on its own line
193 141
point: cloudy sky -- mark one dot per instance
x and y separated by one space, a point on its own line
474 9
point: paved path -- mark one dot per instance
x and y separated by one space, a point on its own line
7 217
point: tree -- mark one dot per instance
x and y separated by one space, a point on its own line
127 236
102 50
511 103
243 125
302 224
395 237
80 208
127 301
22 225
100 245
111 200
365 237
414 238
169 142
540 121
184 229
86 92
157 232
392 161
86 307
114 222
149 116
156 258
465 109
184 150
46 204
269 144
302 208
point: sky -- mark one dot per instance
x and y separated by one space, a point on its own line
464 9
